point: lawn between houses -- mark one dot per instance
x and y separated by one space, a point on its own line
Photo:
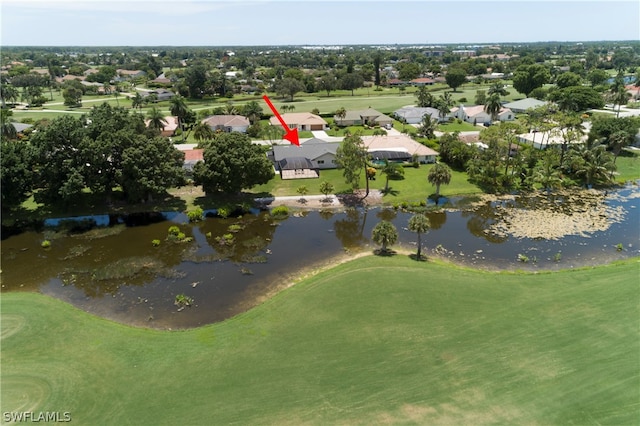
375 340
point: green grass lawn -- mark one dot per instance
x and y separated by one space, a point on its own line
458 127
414 186
628 166
377 340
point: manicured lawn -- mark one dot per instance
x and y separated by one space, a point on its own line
414 186
628 166
279 187
373 341
458 127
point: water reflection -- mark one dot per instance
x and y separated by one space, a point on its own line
229 265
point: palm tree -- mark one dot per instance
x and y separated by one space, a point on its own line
438 175
9 94
616 141
137 101
203 132
594 164
493 106
419 224
497 88
229 109
443 106
428 127
546 172
178 108
253 111
8 129
156 119
341 113
391 170
385 234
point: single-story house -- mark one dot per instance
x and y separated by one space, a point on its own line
422 81
301 121
402 144
477 115
541 140
70 77
415 115
130 74
368 116
169 128
20 127
319 153
161 79
227 123
524 104
161 94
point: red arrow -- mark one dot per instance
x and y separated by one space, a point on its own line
291 134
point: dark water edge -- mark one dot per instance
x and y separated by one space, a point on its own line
110 268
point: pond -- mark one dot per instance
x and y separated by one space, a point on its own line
232 264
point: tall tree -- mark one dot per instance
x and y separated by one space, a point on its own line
419 224
352 156
327 83
178 108
377 63
289 87
425 98
16 172
57 160
529 77
351 82
232 164
438 175
455 77
149 167
195 77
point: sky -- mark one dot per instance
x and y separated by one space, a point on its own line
300 22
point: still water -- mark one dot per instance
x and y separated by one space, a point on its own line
113 269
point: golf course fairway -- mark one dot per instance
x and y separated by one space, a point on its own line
377 340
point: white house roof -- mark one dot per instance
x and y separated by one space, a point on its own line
397 143
226 120
415 112
525 104
298 118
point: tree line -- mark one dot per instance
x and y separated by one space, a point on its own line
111 154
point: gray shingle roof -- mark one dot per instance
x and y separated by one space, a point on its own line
312 150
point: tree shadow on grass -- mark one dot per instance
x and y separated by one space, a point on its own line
390 191
414 256
385 253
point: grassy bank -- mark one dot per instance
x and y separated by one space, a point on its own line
375 340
